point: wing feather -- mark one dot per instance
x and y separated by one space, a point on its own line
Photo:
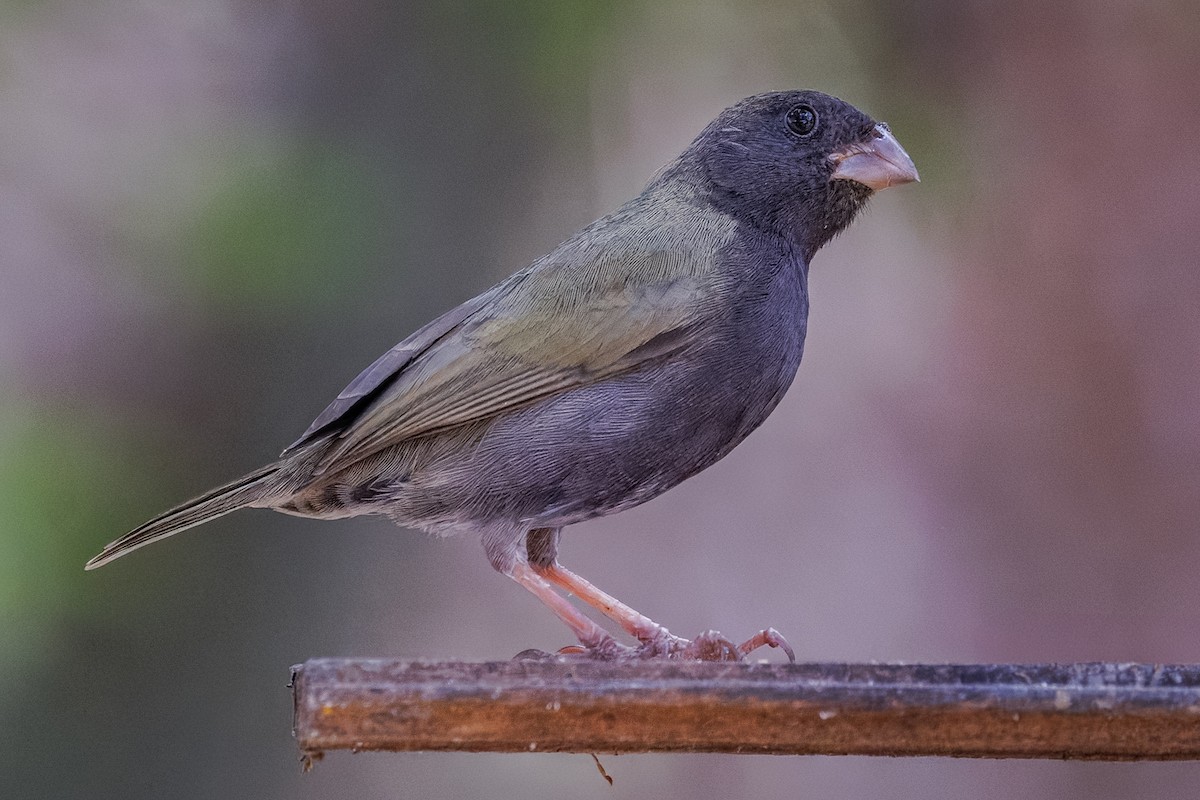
384 369
568 321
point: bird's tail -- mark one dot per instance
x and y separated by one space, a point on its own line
230 497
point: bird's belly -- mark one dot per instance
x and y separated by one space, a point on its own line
600 448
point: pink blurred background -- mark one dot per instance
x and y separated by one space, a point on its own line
212 215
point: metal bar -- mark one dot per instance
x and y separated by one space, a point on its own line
1077 711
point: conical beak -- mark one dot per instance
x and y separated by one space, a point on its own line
878 163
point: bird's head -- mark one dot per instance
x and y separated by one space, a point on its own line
799 163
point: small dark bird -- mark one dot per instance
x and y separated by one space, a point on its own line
637 353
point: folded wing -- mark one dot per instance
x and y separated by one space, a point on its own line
556 326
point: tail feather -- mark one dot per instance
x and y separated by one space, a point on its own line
222 500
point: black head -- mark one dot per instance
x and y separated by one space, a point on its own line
798 163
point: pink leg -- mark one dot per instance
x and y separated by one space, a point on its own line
636 624
656 639
594 638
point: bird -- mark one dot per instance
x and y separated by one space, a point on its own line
637 353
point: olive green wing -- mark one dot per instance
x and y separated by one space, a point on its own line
554 327
349 403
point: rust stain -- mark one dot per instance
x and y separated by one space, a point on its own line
1091 711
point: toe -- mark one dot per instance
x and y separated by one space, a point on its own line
767 638
712 646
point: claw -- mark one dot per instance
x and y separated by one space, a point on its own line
572 650
769 638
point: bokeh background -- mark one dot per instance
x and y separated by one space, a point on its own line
214 213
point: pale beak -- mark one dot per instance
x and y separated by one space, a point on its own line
877 164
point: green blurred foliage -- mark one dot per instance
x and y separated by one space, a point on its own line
558 44
276 233
69 478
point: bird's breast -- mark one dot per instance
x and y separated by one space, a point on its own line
764 343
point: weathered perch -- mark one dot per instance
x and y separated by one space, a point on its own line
1086 711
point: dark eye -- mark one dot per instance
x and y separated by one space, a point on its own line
802 120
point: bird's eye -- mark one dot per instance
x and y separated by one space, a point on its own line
802 120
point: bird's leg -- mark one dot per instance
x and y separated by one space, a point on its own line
598 641
656 640
541 546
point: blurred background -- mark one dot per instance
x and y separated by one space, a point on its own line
214 214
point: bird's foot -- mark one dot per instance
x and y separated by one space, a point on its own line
662 644
605 649
710 646
768 637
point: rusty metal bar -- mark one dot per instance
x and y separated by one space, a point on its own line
1084 711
